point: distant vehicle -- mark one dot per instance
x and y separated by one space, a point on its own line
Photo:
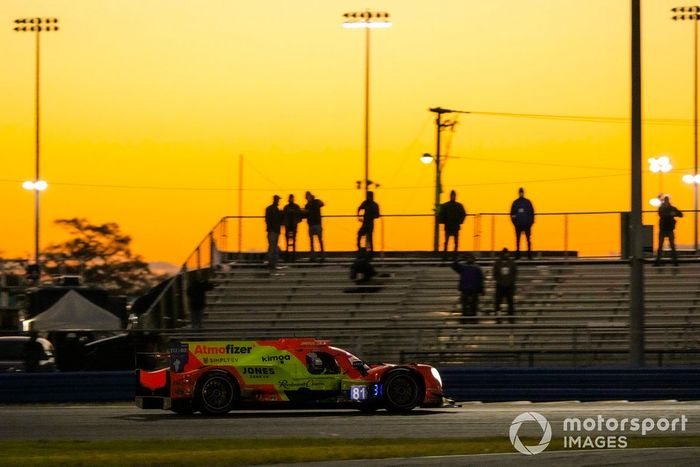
214 377
12 354
116 353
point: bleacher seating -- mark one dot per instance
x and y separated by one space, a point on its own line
566 311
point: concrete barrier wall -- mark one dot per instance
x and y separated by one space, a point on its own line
585 384
107 386
462 384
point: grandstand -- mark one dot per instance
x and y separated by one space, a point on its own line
569 311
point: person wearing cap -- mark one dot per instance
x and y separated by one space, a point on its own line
522 214
273 223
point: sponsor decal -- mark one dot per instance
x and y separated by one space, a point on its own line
230 349
179 356
257 371
276 358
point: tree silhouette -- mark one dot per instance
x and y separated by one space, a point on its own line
102 255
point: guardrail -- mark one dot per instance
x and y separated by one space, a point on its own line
530 355
461 384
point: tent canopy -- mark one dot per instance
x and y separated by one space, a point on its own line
74 312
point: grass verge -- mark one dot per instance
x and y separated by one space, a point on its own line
214 452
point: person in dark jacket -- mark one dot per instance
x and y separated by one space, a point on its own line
505 273
362 270
291 216
197 299
471 285
370 211
273 224
522 214
33 352
452 215
667 225
312 212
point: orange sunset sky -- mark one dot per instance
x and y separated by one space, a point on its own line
147 105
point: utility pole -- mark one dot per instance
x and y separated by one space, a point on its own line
439 163
439 125
636 327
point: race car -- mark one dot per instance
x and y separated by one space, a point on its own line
214 377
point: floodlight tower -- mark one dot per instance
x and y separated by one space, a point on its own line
37 25
692 13
366 20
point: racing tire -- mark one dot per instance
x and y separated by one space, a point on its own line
216 393
402 391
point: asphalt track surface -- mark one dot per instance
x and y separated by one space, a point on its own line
468 420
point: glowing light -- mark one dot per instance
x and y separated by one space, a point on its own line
691 179
661 164
39 185
426 158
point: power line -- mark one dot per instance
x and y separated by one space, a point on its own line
547 164
384 187
584 118
522 182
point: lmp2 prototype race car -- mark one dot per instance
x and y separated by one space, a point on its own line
214 377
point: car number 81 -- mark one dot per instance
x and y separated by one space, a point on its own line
358 393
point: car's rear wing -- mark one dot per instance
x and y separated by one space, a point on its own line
152 380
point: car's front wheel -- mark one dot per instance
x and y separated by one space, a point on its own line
402 391
216 393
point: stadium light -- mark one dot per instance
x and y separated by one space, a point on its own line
39 185
36 25
659 165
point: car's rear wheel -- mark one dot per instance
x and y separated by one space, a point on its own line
216 393
402 391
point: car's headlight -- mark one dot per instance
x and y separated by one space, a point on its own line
436 375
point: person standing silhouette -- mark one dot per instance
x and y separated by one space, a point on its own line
667 226
291 216
522 214
312 212
273 223
505 273
471 285
452 215
370 211
197 299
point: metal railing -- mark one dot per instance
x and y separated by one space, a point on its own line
584 234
